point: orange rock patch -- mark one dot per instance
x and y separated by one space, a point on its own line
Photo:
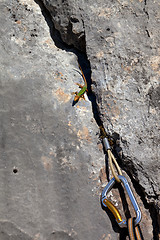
63 97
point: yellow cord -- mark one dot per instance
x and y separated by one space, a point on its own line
111 156
112 159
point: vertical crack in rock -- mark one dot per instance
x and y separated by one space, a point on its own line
81 56
78 46
147 14
145 10
71 28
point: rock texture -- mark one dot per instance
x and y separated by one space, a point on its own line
51 161
122 45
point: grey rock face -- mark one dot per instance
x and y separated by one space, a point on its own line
59 236
49 160
122 45
8 231
52 165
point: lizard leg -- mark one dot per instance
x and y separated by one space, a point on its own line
74 93
82 96
79 85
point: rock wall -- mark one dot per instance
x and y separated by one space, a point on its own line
51 159
122 45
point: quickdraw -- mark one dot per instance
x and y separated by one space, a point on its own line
131 223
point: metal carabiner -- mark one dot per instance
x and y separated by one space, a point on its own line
114 210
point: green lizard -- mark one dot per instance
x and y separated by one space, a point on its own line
80 94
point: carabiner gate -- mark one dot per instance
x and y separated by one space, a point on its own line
114 210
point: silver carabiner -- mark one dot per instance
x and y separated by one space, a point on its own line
114 210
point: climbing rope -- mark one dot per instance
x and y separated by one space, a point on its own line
134 231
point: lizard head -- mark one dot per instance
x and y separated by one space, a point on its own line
76 98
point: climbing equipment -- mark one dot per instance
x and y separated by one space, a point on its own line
111 157
132 223
114 210
134 231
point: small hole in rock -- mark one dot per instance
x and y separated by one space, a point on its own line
15 170
108 29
